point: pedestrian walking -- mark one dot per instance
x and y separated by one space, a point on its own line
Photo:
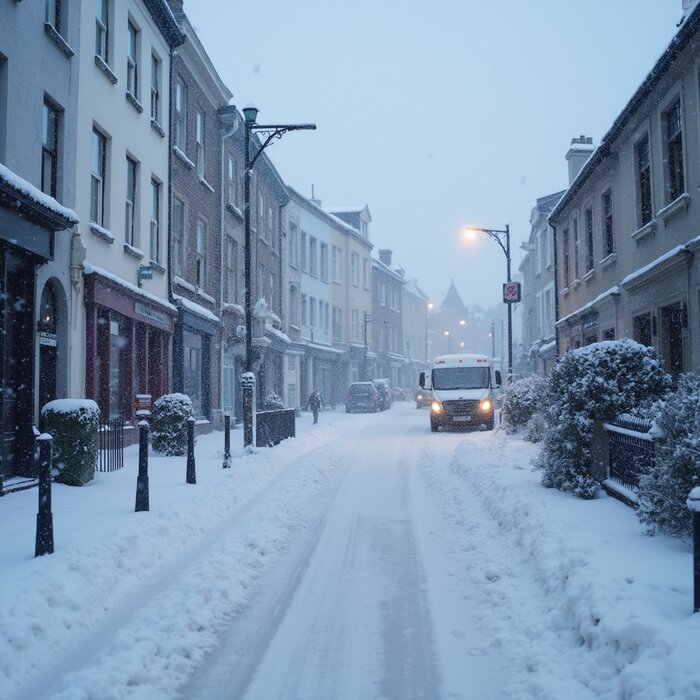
315 403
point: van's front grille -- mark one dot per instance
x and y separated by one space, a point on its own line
461 408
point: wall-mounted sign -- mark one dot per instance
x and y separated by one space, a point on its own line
149 312
145 272
48 339
511 292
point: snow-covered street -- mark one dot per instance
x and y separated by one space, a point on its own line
367 558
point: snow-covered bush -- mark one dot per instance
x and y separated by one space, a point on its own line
596 382
169 423
663 490
73 424
273 402
535 428
521 399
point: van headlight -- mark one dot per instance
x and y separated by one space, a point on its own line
486 405
436 407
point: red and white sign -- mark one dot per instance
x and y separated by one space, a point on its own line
511 292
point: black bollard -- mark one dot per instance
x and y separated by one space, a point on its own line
142 481
191 474
227 441
693 503
44 518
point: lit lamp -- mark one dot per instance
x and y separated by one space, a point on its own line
511 291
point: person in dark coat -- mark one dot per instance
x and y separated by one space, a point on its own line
315 403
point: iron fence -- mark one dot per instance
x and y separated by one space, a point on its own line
111 452
630 450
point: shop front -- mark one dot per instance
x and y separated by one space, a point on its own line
128 336
28 225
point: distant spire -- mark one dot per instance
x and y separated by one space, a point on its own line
452 300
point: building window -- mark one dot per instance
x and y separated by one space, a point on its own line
178 235
643 180
53 14
102 30
49 149
609 334
231 270
608 230
336 264
576 243
231 181
181 115
324 262
354 324
304 314
293 245
261 215
565 256
130 204
313 257
98 177
312 311
355 269
199 135
588 220
270 227
538 253
155 88
192 370
132 77
674 136
303 251
641 329
201 253
155 221
365 273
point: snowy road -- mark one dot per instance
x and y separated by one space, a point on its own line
368 559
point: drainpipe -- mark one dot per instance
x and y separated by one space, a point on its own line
236 124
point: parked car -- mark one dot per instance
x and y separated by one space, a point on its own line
385 393
363 397
423 398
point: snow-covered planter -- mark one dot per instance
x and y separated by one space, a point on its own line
73 424
169 424
596 382
662 491
521 399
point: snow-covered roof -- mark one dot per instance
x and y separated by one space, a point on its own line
196 308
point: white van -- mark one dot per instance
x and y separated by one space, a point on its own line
465 387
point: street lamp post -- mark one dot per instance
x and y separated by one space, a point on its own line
449 342
502 237
269 133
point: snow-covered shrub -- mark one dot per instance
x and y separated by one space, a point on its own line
596 382
73 424
273 402
521 399
169 423
663 490
535 428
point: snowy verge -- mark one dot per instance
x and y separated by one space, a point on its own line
628 597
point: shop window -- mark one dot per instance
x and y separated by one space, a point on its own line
192 370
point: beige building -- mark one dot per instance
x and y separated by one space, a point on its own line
626 231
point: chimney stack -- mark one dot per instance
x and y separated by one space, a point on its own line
385 256
579 152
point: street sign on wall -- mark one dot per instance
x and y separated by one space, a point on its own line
511 292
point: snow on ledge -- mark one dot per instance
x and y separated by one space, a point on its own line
36 194
196 308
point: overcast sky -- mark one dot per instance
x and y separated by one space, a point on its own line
436 116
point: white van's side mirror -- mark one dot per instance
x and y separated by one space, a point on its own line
421 380
498 377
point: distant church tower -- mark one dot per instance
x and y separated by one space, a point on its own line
449 326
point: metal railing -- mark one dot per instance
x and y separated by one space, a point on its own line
111 452
630 450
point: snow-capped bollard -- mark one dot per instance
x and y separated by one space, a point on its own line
142 501
44 518
227 441
191 474
693 502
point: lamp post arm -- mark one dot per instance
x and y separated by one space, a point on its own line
275 131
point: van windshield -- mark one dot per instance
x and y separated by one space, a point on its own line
446 378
